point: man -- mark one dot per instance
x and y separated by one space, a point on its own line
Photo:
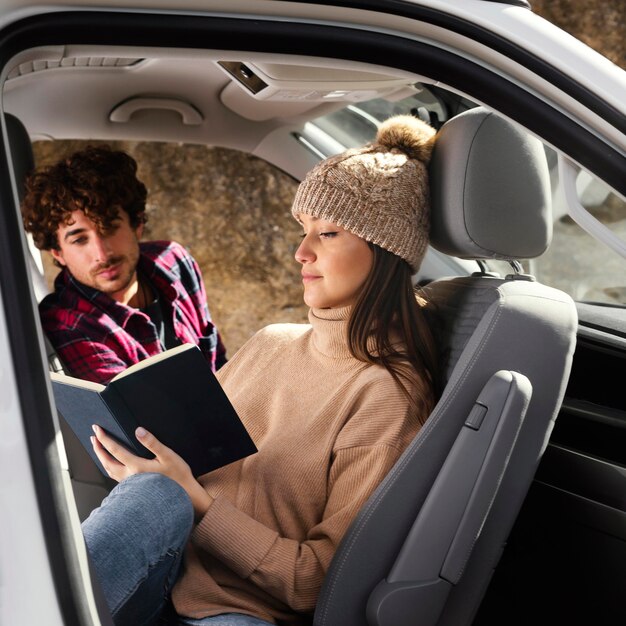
116 300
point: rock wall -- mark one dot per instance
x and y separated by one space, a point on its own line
232 210
601 24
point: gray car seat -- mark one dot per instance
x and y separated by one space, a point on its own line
423 548
23 164
89 485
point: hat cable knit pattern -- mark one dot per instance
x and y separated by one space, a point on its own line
379 192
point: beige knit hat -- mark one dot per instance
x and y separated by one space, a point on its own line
379 192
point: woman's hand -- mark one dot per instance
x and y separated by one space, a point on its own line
119 463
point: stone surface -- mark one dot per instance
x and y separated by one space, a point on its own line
601 24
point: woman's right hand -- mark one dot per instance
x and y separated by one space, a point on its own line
120 463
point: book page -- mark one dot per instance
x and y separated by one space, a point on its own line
154 359
77 382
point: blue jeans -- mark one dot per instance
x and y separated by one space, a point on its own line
136 540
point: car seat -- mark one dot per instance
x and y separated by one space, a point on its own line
423 548
88 484
23 164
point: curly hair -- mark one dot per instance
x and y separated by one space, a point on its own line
97 180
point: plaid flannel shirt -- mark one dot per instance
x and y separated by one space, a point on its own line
97 337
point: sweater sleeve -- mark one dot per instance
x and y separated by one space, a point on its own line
289 570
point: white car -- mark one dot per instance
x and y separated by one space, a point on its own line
292 82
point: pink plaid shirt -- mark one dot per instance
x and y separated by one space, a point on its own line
96 337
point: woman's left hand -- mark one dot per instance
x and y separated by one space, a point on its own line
120 463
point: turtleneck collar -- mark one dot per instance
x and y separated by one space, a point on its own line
330 328
330 333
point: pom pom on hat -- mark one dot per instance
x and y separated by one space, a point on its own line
409 134
379 192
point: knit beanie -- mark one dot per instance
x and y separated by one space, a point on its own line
379 192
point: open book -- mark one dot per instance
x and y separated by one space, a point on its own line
175 395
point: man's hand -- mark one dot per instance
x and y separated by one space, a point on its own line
120 463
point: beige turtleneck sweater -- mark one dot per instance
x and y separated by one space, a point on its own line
328 429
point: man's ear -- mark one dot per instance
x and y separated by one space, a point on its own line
139 229
57 255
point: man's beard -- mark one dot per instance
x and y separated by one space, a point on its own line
128 266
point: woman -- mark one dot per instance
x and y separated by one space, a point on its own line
330 405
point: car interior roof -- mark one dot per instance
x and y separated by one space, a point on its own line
154 94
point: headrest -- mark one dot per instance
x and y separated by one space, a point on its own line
490 190
21 151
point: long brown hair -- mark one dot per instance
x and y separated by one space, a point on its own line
388 327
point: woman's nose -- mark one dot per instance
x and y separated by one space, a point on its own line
304 253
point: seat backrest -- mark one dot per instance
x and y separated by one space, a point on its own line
21 151
23 161
423 548
89 485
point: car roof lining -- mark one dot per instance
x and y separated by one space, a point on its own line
481 84
101 78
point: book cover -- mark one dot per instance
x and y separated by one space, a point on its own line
175 395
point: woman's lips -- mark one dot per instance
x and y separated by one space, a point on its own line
307 278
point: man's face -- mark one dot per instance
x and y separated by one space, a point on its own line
105 262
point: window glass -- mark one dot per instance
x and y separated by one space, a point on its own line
575 262
356 124
578 263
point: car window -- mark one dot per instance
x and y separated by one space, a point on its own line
576 262
356 124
